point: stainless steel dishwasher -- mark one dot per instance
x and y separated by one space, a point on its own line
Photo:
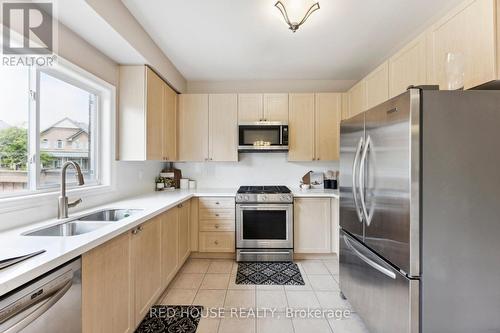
51 303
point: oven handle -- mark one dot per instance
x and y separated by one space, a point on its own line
265 206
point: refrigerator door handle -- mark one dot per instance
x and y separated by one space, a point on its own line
373 264
354 190
368 218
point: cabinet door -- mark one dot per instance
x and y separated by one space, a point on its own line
327 117
312 225
470 30
193 127
146 253
301 127
184 239
169 123
408 67
345 106
357 99
154 116
223 133
276 107
107 294
377 86
170 245
250 108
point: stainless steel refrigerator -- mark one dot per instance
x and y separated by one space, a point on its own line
420 213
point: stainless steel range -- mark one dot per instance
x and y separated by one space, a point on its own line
264 223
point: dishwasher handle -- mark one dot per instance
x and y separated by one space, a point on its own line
38 309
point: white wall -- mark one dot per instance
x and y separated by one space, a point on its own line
252 169
269 86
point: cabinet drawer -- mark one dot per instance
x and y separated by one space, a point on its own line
217 225
217 241
216 214
217 202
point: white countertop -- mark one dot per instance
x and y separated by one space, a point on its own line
62 249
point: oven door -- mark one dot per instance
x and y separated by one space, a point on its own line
264 226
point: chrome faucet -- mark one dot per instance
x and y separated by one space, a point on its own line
63 205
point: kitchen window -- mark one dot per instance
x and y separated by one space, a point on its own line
49 116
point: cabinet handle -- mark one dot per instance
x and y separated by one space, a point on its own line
217 203
180 205
216 242
216 226
141 228
217 215
135 231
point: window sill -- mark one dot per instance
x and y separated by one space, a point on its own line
42 199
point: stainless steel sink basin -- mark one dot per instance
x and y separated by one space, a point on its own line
109 215
72 228
85 224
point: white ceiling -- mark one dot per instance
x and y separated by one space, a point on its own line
248 39
78 16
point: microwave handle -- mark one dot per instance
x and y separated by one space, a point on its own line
281 135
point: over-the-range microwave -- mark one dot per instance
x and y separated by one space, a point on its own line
263 136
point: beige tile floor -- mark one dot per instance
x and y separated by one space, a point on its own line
211 283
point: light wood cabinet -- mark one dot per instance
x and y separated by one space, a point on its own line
216 224
193 127
170 245
223 132
312 225
345 106
408 67
250 107
301 127
208 126
147 116
146 258
107 290
328 108
184 226
276 107
314 126
377 86
357 99
469 30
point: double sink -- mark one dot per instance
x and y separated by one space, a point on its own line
84 224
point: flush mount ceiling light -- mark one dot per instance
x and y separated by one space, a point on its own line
293 16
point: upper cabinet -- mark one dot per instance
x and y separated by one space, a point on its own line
250 108
408 67
193 127
208 127
328 109
223 132
314 126
262 107
357 99
377 86
276 107
147 116
470 30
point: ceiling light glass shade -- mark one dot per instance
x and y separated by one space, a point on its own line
296 12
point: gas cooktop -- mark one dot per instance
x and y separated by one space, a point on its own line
264 194
263 189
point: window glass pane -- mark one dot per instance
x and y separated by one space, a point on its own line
14 116
66 130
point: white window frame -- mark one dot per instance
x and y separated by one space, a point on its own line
103 144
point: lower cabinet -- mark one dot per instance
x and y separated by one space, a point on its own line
124 277
312 225
184 226
107 290
216 224
146 258
170 245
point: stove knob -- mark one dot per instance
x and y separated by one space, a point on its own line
239 197
263 197
246 198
